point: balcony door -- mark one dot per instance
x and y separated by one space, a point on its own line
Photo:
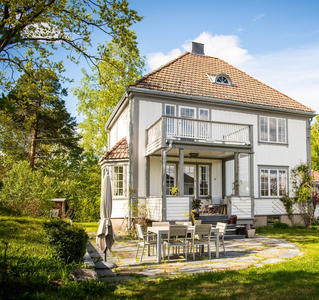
189 180
187 127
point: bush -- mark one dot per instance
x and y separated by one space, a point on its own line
279 225
68 241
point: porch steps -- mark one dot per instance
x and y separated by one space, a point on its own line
231 228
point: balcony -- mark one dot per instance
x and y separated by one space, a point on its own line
190 130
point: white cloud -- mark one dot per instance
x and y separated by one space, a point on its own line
293 72
155 60
226 47
259 17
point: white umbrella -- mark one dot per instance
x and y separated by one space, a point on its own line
105 233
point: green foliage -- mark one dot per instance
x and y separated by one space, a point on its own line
32 269
68 241
27 192
41 24
315 144
279 225
40 126
302 190
99 93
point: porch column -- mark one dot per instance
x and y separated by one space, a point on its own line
163 185
181 172
236 175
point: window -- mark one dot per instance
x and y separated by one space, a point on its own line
118 181
170 178
170 110
189 180
187 112
272 219
273 182
222 79
170 122
203 128
272 130
187 127
203 180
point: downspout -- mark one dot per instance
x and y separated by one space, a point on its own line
164 159
130 163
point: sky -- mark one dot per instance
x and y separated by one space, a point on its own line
276 42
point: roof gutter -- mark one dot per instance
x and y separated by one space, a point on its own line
221 101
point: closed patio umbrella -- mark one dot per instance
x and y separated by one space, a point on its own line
105 233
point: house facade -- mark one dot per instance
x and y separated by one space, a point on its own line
207 127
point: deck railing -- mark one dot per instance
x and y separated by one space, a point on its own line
199 130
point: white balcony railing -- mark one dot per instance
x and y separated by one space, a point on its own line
199 130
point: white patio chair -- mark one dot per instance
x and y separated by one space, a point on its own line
201 237
177 237
222 231
143 240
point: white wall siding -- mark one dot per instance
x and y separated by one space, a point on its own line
270 207
155 176
119 208
120 129
149 112
154 206
241 207
176 207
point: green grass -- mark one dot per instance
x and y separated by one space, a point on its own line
34 272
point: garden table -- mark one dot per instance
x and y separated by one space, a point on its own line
164 230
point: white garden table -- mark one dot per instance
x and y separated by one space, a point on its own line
164 230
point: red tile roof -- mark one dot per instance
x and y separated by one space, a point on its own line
315 176
187 75
119 151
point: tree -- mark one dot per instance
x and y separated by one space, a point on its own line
37 24
301 184
97 95
315 144
40 126
25 191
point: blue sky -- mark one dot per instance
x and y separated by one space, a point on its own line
276 42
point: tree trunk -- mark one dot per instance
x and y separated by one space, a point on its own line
33 144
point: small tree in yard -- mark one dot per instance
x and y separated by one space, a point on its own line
302 193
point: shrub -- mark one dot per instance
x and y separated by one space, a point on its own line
68 241
279 225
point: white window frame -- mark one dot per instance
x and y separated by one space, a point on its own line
172 105
268 120
199 180
277 169
114 180
194 166
187 107
174 184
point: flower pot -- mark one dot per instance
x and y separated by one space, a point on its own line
196 216
232 220
250 233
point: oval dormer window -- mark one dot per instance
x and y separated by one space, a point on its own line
222 79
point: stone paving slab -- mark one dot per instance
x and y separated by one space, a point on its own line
243 253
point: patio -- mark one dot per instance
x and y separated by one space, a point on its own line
240 253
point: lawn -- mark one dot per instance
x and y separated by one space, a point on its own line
34 273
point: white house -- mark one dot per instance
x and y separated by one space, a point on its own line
209 128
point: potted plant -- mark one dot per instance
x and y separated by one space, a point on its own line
196 204
174 191
233 219
250 232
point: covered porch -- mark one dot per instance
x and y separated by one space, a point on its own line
221 168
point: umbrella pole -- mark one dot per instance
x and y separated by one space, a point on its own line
105 255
